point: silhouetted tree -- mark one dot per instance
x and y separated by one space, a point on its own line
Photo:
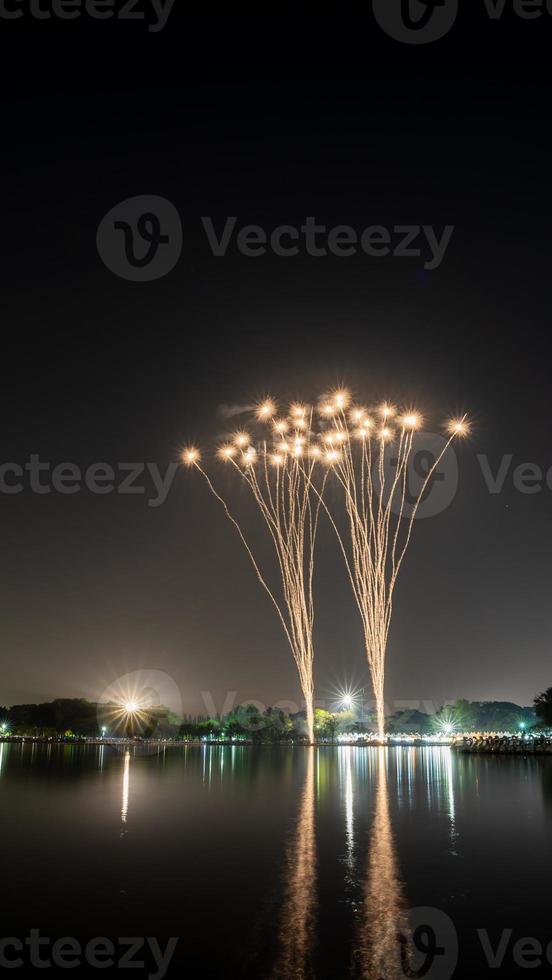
543 706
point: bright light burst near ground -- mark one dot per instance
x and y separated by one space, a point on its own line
127 712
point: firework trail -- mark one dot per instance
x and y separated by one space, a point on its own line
370 453
278 468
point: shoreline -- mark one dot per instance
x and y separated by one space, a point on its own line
469 745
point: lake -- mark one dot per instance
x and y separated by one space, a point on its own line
281 861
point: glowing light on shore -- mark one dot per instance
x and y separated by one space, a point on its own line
131 707
346 699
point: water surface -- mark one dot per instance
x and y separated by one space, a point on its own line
280 862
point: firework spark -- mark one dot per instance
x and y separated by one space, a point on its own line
280 475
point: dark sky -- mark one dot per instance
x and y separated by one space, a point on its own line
271 115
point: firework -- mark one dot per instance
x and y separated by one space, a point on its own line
276 461
285 467
370 462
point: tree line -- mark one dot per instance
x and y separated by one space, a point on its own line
78 717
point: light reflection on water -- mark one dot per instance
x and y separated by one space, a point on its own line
382 944
298 913
382 919
351 836
126 787
349 807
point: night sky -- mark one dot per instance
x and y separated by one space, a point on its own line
271 115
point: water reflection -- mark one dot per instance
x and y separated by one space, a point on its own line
439 783
126 788
371 834
296 933
349 810
383 917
